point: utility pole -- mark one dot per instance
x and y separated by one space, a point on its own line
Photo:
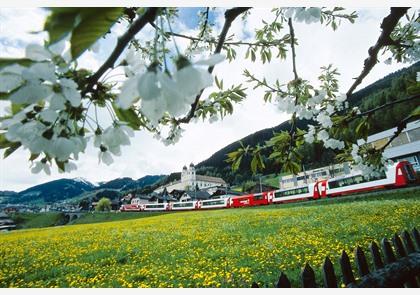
304 173
260 185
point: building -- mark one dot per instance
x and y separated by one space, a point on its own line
405 147
6 223
192 181
310 176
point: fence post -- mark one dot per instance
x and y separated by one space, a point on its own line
346 270
361 262
388 253
411 282
408 242
377 260
308 277
328 274
416 237
283 281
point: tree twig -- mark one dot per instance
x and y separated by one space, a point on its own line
387 26
122 43
230 16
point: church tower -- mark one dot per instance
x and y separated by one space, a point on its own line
184 174
192 177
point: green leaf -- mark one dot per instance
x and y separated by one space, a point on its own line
92 27
128 116
4 62
60 165
415 112
14 146
33 157
60 23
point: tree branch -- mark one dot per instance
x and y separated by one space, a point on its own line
230 16
413 97
388 25
122 43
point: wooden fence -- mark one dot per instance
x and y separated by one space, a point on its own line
392 271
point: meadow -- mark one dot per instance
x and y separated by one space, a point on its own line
219 248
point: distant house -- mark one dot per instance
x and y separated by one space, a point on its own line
190 180
257 188
223 192
6 223
145 199
195 195
10 210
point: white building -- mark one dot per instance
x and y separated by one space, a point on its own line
405 147
190 180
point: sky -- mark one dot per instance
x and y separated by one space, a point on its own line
345 48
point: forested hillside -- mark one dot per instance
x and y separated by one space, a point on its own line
390 88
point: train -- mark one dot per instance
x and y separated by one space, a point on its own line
397 175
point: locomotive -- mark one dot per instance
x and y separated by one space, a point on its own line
397 175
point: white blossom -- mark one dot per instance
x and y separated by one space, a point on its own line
301 14
69 166
129 93
310 135
324 119
334 143
37 52
39 166
162 92
323 135
105 157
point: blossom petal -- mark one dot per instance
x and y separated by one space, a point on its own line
129 93
49 115
37 52
10 82
106 158
148 86
211 60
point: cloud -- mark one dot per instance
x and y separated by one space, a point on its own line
346 49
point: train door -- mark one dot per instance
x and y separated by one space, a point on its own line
404 174
270 197
198 205
320 189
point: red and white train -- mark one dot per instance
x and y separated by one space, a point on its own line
397 175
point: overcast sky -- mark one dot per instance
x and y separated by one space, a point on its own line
345 48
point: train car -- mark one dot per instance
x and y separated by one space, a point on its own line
156 207
242 201
179 206
305 192
131 207
215 203
397 175
258 199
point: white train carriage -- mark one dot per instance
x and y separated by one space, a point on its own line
397 175
156 207
299 193
215 203
179 206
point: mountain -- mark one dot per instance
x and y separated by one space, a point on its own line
390 88
54 191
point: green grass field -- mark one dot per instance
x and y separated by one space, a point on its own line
219 248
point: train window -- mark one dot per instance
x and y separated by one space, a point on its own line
354 180
258 197
296 191
409 171
211 203
155 206
182 205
